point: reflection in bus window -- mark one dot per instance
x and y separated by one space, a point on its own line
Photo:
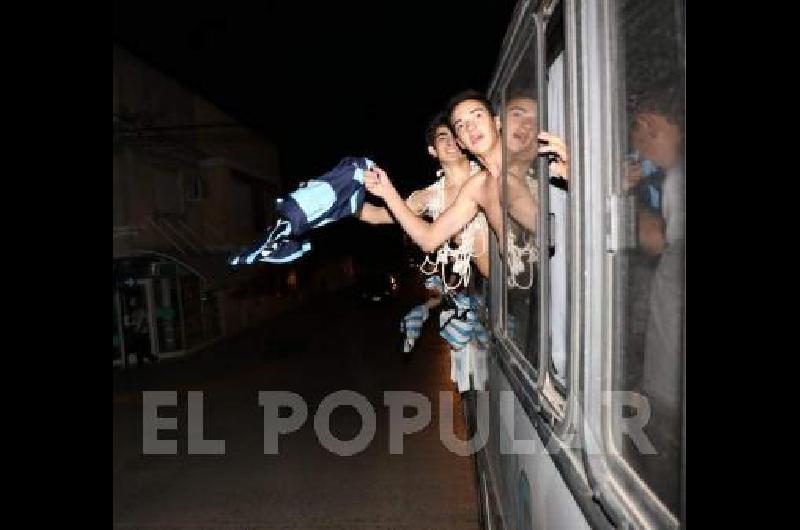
649 277
520 124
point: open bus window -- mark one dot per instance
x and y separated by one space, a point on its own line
520 124
649 271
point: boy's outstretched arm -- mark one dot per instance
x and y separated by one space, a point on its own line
429 236
379 215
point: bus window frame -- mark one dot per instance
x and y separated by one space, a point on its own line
621 491
570 461
562 404
551 393
555 43
515 56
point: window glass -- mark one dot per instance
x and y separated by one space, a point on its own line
520 127
649 266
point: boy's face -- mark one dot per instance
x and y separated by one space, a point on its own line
444 147
474 126
521 127
657 139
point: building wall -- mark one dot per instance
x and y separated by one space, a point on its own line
167 138
170 144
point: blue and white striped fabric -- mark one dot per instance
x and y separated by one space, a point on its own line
411 325
434 283
481 335
461 325
469 340
412 322
458 326
337 194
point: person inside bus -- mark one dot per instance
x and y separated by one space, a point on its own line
477 129
656 132
521 124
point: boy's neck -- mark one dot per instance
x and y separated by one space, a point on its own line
492 160
456 173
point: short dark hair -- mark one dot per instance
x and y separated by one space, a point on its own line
664 99
520 92
438 120
464 96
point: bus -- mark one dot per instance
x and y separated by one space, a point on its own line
584 396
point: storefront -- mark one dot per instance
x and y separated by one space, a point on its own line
160 311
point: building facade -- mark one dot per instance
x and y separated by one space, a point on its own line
191 186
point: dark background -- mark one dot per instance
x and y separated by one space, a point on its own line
325 80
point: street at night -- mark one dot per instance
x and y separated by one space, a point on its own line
341 342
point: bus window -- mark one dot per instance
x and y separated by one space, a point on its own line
519 115
649 268
559 202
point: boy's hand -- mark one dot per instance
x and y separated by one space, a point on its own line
377 182
550 144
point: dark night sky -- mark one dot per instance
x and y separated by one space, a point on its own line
324 79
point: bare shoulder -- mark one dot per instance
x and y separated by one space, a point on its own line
475 184
477 180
